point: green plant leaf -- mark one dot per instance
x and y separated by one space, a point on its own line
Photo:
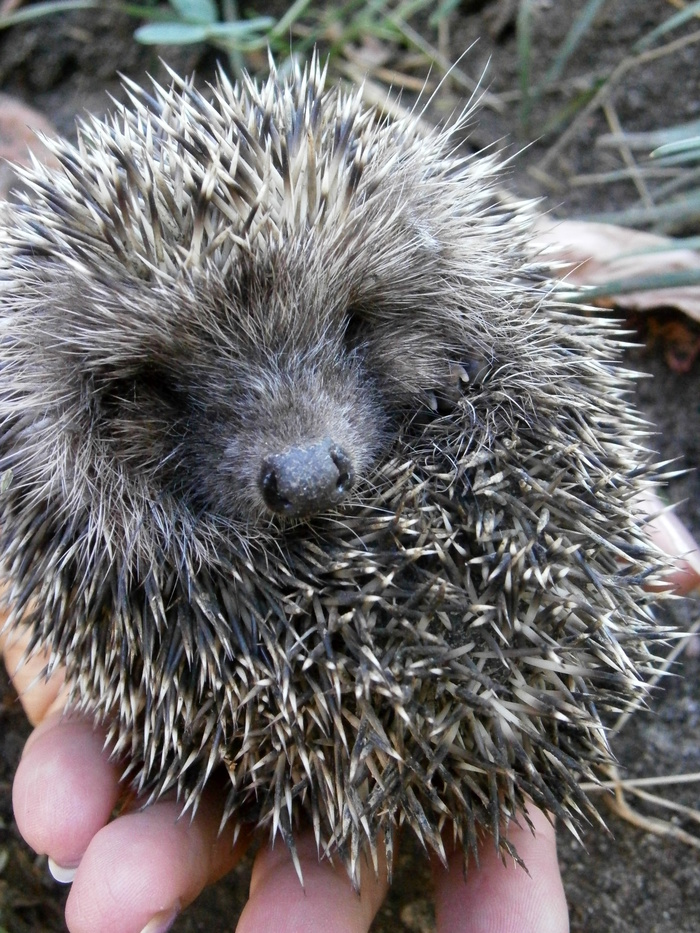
199 12
171 33
642 283
680 211
673 22
45 9
688 147
575 35
241 28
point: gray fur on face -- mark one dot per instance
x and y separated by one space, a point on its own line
312 475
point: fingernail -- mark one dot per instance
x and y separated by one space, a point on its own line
61 874
162 921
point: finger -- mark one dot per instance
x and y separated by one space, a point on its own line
65 788
327 900
141 870
37 694
130 871
671 535
504 898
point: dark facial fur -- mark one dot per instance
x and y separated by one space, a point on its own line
309 473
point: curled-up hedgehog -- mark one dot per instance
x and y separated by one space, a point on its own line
310 476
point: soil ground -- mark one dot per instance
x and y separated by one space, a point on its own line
627 881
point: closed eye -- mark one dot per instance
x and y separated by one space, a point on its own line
149 385
357 327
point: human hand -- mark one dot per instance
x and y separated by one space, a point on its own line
134 873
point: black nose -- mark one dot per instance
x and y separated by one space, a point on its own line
305 480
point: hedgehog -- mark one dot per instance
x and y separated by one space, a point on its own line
312 475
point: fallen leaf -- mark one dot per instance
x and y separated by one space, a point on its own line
596 254
18 128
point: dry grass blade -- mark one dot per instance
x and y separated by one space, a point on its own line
626 153
650 824
689 812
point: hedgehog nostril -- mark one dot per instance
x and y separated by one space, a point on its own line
344 466
270 490
305 480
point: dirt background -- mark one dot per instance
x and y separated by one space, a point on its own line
628 881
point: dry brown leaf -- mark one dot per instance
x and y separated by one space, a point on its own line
600 253
18 127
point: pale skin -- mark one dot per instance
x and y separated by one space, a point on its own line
135 873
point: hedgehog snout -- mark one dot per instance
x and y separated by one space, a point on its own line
304 480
